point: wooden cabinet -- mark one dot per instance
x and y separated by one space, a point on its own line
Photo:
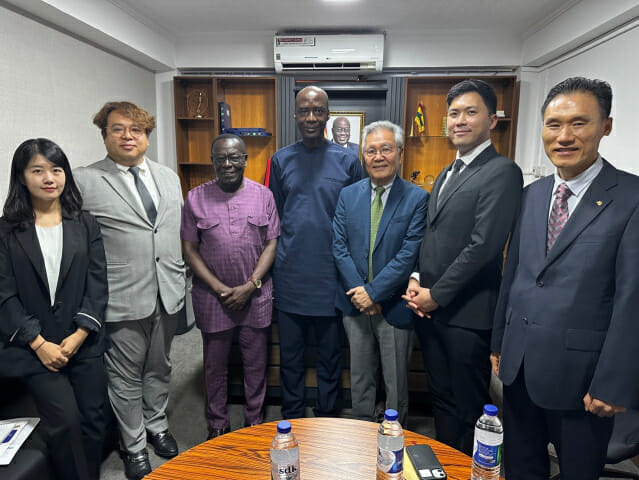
253 104
430 151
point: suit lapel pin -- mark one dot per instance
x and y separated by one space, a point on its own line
599 203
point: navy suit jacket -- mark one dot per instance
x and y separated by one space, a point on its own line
396 247
571 316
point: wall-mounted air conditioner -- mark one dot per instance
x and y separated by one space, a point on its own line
308 52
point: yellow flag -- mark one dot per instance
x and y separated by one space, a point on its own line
419 118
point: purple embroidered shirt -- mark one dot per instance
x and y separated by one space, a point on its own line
232 230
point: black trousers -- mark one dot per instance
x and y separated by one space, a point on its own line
293 330
71 406
457 362
580 438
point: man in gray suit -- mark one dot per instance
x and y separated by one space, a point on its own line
138 205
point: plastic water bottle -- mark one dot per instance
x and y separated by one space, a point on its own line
285 454
489 435
390 448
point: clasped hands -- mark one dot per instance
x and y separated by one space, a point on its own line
419 299
236 298
54 356
363 302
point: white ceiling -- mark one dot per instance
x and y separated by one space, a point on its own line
180 18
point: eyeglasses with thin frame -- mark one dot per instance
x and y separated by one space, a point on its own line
235 160
118 130
305 112
385 152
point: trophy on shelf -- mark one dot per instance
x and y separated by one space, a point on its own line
197 103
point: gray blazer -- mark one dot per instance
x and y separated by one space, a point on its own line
143 260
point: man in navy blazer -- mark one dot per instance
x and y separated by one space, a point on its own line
565 339
375 316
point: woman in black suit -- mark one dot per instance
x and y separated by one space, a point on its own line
53 292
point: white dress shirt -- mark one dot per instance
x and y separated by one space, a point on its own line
146 177
577 185
385 194
466 160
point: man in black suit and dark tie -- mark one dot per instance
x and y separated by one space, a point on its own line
472 210
565 338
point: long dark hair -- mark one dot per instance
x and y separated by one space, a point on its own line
18 210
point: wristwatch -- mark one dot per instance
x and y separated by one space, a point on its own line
256 281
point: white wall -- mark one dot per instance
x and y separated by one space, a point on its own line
51 85
439 49
611 58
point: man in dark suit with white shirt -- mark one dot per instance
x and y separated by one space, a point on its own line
472 210
565 339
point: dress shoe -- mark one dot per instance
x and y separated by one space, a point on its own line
216 432
136 465
164 444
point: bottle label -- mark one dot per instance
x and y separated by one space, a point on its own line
389 461
285 472
488 456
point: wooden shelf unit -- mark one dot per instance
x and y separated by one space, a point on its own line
430 152
253 103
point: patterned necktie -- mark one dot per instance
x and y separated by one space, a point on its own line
377 207
145 196
558 214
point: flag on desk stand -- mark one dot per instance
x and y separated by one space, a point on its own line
419 118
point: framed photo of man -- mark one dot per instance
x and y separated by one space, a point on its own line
345 129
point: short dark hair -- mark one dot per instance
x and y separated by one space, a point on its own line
485 91
130 110
228 136
600 89
18 209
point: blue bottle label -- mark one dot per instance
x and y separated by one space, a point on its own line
487 456
390 461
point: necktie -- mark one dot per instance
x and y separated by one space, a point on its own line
145 196
457 165
377 207
558 214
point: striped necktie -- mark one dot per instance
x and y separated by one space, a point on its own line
558 215
377 207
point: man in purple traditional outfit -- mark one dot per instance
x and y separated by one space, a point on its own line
229 231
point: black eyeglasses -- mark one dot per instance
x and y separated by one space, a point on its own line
235 160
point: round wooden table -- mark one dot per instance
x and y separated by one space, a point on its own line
330 448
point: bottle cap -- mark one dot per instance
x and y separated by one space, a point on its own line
490 410
391 414
284 426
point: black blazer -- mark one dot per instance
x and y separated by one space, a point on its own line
80 298
461 258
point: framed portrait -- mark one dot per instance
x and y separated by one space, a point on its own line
348 131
